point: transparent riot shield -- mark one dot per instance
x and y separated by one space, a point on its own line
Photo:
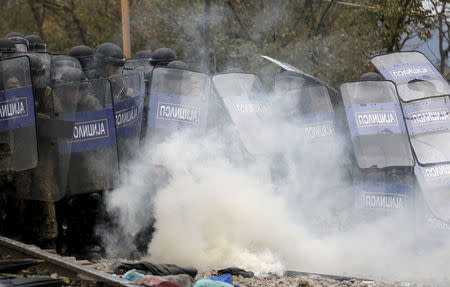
46 60
48 181
59 63
308 104
128 92
379 193
424 96
18 144
139 64
94 160
247 104
415 76
433 206
428 124
178 100
376 124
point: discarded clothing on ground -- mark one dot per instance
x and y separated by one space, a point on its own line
132 275
227 278
148 268
183 280
236 272
211 283
155 281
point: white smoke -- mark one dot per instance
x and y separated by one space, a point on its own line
214 211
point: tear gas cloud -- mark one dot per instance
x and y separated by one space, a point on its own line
288 208
285 210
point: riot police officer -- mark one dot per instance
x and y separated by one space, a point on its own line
35 44
41 182
178 65
110 60
15 34
19 41
85 55
7 48
162 57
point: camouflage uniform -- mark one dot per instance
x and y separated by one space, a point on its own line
43 179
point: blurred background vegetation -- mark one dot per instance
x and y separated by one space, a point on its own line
327 38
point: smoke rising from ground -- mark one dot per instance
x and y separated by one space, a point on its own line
286 210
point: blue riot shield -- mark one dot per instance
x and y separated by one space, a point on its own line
308 104
59 64
425 102
434 204
382 179
247 104
415 76
128 92
376 124
48 180
18 140
178 100
93 146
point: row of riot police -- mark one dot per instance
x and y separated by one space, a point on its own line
71 124
388 132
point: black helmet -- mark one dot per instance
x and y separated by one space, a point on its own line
20 43
162 57
178 65
14 34
35 44
371 76
71 74
7 46
36 66
81 51
142 54
109 53
85 55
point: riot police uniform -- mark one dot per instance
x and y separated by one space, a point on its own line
35 44
85 55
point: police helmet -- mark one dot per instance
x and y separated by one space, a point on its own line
162 57
84 54
71 74
371 76
143 54
35 44
20 43
110 54
178 65
7 47
14 34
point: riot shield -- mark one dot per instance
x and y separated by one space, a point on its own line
128 92
434 182
59 63
424 95
46 60
376 124
246 102
428 124
48 181
178 100
308 104
18 144
380 193
415 76
140 64
94 160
